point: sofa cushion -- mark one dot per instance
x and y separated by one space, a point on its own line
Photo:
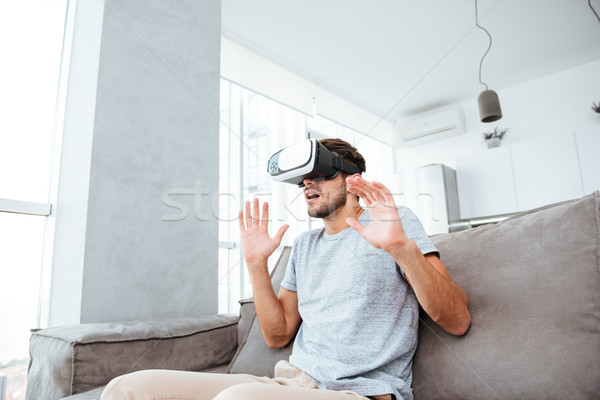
533 283
253 356
89 395
74 359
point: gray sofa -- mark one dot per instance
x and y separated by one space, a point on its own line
533 283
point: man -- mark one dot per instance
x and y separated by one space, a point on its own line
350 296
360 315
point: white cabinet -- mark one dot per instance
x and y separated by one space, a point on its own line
486 184
546 171
588 150
529 174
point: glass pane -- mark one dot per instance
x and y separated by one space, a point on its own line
21 245
224 165
229 198
223 288
31 35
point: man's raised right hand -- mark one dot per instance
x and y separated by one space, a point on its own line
256 242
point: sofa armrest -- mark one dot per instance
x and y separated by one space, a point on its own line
73 359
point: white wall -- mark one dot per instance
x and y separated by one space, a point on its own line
552 105
258 73
539 161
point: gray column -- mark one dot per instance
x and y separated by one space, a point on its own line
151 238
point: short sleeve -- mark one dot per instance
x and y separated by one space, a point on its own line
415 231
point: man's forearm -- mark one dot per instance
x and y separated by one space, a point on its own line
441 298
269 310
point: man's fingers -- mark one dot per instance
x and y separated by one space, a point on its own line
279 234
248 215
241 220
354 224
369 190
265 214
255 212
367 198
375 190
379 194
362 184
384 191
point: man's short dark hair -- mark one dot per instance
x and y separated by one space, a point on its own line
348 152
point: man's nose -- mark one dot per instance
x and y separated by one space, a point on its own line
308 181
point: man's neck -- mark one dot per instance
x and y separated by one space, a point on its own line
336 222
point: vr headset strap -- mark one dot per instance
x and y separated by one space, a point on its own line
340 165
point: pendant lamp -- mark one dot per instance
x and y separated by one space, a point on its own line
489 106
489 103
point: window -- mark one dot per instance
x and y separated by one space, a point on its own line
252 128
31 39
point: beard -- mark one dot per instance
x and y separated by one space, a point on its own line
325 210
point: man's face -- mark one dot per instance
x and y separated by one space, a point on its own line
325 197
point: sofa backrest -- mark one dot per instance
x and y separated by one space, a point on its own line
533 283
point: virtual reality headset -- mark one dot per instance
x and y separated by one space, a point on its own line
307 160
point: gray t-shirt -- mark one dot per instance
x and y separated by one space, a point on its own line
359 315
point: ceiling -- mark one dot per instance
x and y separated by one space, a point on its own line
398 58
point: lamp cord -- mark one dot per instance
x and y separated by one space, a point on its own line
594 11
489 47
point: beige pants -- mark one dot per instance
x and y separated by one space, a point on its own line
289 384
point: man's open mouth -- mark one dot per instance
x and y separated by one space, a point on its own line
310 195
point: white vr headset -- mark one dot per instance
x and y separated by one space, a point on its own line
307 160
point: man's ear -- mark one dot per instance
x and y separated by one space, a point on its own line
352 176
348 193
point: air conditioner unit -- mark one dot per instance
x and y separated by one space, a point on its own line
430 127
